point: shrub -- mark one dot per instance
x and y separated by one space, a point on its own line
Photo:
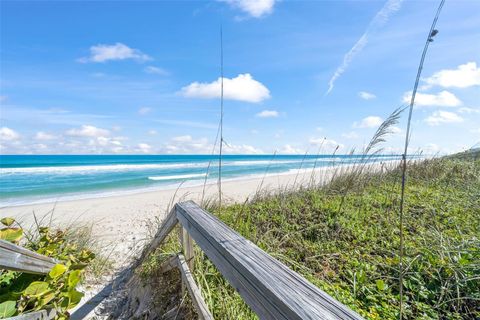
23 292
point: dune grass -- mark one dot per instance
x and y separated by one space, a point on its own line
343 237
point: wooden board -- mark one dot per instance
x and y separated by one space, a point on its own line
36 315
197 299
187 246
13 257
270 288
169 263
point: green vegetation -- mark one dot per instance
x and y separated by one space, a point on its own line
344 238
22 292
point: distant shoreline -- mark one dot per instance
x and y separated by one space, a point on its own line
70 180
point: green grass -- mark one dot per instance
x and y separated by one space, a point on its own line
344 238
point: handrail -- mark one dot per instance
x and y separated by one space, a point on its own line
269 287
17 258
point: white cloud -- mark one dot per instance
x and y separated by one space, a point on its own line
395 130
118 51
439 117
368 122
144 110
242 149
390 7
254 8
267 114
468 110
188 145
3 98
466 75
185 138
7 134
88 131
327 145
144 147
366 95
241 88
44 136
152 132
431 148
350 135
442 99
40 147
288 149
156 70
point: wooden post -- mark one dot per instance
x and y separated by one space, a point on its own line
187 248
186 242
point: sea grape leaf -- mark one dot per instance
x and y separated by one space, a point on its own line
11 234
45 299
23 281
36 288
7 309
380 285
74 298
73 278
6 278
57 271
7 221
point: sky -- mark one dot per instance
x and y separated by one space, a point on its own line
143 77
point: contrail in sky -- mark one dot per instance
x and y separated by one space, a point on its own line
382 16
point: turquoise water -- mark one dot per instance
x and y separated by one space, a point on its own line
33 178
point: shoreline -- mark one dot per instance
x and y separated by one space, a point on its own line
168 187
173 186
183 180
122 223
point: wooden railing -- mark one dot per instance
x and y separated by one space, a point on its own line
13 257
269 287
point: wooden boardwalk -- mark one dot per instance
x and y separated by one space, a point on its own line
269 287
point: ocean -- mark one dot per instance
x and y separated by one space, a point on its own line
27 179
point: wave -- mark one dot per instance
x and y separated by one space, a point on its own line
95 168
28 200
130 167
85 169
176 177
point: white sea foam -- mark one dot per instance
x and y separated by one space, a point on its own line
132 167
96 168
178 176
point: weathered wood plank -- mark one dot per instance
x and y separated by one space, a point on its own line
197 299
270 288
170 263
167 226
36 315
187 245
13 257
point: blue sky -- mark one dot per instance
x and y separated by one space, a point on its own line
143 77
